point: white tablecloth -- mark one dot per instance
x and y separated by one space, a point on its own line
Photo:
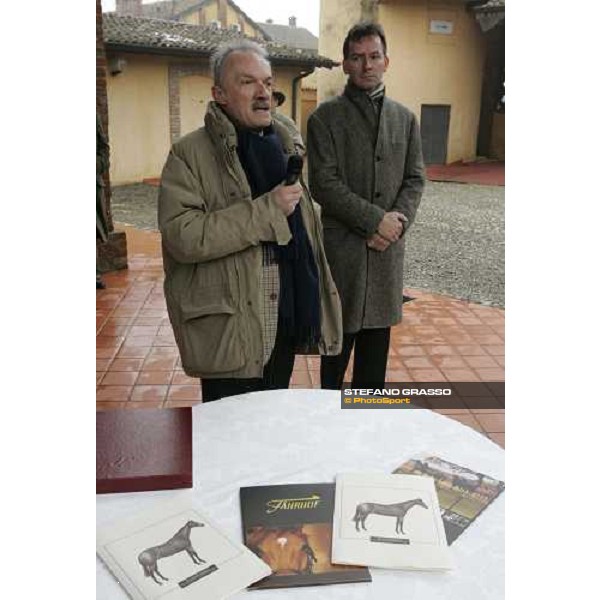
302 436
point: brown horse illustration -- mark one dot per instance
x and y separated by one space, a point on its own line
178 543
398 510
286 550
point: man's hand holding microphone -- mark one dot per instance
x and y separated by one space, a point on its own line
287 194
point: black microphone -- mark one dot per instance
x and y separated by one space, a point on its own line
294 168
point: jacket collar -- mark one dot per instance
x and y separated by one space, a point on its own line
364 104
222 131
219 127
356 94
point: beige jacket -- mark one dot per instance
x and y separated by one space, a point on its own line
211 235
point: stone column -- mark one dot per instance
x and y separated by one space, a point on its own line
336 18
111 255
222 13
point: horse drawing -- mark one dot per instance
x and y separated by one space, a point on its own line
398 510
178 543
286 550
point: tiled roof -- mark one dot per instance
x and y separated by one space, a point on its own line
155 35
174 10
490 6
297 37
489 14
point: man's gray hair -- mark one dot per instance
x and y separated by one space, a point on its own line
219 56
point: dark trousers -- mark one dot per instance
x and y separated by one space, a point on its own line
276 374
371 348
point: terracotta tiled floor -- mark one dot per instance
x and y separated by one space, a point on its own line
440 339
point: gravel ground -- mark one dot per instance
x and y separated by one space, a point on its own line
456 244
455 247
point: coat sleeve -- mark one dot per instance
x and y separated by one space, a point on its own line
193 234
327 187
409 196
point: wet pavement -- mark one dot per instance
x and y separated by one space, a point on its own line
455 246
137 362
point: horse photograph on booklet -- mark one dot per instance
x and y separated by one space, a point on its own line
289 527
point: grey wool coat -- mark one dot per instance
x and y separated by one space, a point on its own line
359 170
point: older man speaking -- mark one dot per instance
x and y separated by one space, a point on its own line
247 284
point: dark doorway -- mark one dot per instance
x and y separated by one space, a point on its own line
435 121
492 89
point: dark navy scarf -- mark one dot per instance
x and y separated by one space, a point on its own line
265 164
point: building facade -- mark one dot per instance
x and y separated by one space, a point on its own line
441 55
159 84
224 14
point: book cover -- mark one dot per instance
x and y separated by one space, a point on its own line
289 527
175 552
463 494
143 450
388 521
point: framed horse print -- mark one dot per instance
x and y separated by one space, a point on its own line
388 521
289 527
175 552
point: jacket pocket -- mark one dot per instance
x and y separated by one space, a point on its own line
211 336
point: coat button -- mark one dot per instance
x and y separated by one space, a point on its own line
273 296
249 302
378 158
377 194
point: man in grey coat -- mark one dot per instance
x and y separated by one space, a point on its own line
366 170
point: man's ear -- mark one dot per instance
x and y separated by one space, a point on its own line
218 94
344 67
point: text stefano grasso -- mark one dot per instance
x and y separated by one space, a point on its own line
399 392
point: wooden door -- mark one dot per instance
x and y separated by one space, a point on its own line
435 122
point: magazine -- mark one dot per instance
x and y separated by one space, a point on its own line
175 552
463 494
388 521
289 527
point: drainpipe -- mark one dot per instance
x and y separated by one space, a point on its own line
295 83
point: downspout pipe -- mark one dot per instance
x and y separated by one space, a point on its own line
295 83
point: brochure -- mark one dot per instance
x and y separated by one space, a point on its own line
388 521
175 552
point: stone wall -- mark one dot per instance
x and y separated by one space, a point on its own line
112 254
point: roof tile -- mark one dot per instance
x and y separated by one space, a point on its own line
144 33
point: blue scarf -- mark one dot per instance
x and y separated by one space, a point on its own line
265 164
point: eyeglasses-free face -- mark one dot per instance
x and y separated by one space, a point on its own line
366 62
